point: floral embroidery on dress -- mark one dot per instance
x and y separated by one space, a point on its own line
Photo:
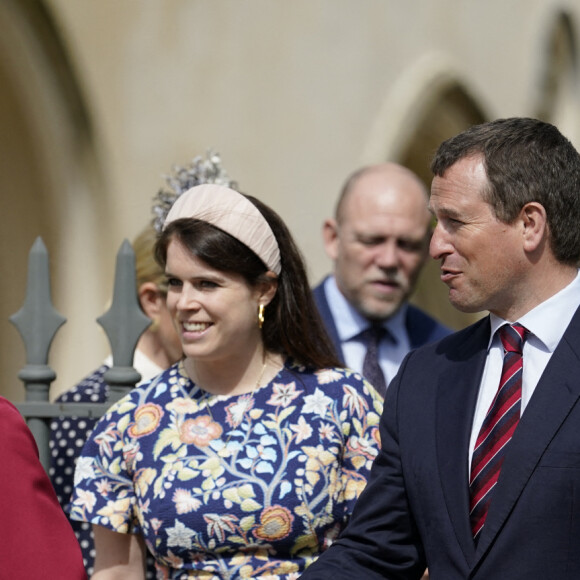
249 486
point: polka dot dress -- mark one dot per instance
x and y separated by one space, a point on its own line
68 436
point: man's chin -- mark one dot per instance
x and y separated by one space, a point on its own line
465 303
380 312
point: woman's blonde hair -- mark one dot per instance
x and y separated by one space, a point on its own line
147 268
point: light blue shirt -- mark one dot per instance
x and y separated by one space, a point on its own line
547 323
349 324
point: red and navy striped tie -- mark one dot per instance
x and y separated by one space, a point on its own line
498 427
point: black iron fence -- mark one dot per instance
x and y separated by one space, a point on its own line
38 322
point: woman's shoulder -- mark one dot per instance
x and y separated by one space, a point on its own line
329 378
18 438
8 412
339 388
91 389
159 390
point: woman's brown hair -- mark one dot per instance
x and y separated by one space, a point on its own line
292 325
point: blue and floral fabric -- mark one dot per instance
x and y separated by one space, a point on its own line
67 438
249 486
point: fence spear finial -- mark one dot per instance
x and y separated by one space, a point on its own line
37 321
123 323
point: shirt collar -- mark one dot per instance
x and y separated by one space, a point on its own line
142 364
540 320
349 323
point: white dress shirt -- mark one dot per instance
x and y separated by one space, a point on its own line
142 364
546 324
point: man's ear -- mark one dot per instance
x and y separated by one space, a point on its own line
330 238
150 299
535 225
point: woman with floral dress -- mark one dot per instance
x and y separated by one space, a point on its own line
244 459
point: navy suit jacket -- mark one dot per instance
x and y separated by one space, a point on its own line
421 328
414 511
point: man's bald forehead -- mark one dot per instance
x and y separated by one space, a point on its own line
390 171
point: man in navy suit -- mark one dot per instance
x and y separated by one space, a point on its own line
506 196
378 241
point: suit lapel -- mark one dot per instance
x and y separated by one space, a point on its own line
456 396
557 392
327 318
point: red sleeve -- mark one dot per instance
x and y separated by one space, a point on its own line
36 539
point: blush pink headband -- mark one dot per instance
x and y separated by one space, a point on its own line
233 213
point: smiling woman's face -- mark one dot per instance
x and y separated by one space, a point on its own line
215 313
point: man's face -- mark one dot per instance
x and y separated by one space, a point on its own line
379 242
482 258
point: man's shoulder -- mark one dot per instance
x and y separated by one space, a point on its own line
321 301
472 337
318 290
424 328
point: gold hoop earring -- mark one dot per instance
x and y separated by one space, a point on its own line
260 316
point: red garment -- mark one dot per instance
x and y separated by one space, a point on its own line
36 539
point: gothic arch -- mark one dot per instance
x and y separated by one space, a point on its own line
428 105
46 164
557 91
451 111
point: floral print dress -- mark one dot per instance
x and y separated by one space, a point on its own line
225 487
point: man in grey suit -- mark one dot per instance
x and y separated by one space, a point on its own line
478 476
378 241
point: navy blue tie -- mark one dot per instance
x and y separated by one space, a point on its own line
371 368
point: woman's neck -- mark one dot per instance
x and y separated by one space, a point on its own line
231 377
153 349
